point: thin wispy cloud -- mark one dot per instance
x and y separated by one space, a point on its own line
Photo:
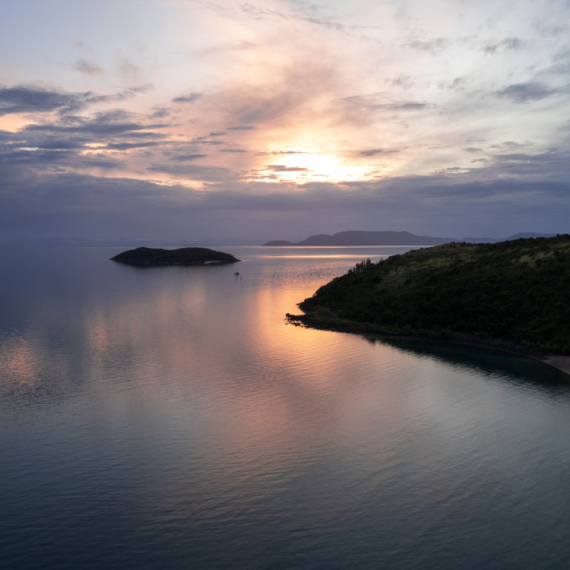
190 98
491 48
87 67
526 92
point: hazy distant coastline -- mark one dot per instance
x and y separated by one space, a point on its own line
367 238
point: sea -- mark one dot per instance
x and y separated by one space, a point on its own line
170 418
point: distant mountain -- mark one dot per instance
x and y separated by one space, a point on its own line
357 238
362 238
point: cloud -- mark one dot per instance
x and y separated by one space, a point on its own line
86 67
434 47
127 93
131 145
159 113
208 142
526 92
230 150
35 157
54 157
283 168
401 80
71 206
75 142
37 99
244 128
129 70
7 136
183 157
375 151
52 144
379 101
190 98
492 48
34 99
283 152
457 84
307 13
553 165
239 46
195 172
108 123
509 145
275 15
142 135
105 164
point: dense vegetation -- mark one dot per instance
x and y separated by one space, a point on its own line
516 290
147 256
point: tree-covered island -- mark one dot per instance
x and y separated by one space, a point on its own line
513 295
152 257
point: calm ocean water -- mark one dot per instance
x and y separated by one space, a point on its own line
169 418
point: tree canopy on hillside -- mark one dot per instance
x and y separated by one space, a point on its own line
517 290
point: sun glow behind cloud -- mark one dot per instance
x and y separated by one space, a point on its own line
312 167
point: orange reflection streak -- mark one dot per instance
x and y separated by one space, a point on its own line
281 341
19 363
322 256
118 328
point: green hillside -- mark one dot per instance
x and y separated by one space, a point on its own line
515 290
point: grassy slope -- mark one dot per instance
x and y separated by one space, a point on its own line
517 290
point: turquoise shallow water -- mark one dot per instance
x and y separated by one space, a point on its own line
170 418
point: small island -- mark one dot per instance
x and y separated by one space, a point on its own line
187 256
512 295
361 238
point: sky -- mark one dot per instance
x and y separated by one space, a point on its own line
202 122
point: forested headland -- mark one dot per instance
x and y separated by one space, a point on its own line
516 291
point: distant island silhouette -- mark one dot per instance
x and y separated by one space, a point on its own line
366 238
156 257
511 295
